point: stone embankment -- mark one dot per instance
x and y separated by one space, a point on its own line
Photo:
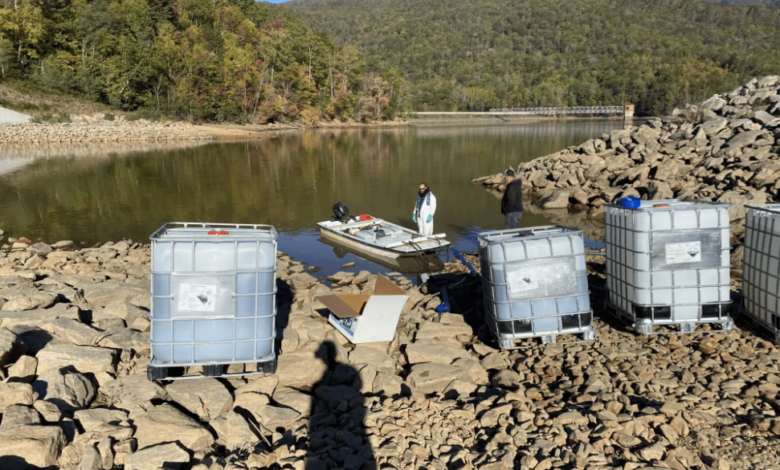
95 129
724 149
100 132
74 334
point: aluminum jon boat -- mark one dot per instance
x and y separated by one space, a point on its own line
378 238
424 264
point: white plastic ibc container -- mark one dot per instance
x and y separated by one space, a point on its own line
213 296
534 283
761 267
668 262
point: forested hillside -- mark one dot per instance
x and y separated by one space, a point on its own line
480 54
213 60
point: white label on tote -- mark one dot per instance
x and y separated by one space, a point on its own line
197 297
689 252
521 281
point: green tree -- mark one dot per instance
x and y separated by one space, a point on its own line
655 53
215 60
23 25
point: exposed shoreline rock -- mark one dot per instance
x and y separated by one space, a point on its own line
98 130
724 149
440 395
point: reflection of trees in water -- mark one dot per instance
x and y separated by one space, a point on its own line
517 128
290 180
83 150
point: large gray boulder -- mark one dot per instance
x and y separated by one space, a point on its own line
124 338
763 117
645 134
115 292
164 423
714 125
126 311
29 301
19 415
157 456
208 398
368 355
233 431
387 385
16 393
72 331
434 351
715 103
91 459
9 345
555 200
66 388
265 384
430 330
253 403
274 417
435 377
293 399
49 411
84 359
745 139
303 368
95 418
24 446
133 393
37 317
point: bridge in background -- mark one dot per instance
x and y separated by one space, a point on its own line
625 110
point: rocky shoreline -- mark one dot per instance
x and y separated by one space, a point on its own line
74 347
724 149
100 132
95 129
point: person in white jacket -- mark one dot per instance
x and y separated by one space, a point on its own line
424 210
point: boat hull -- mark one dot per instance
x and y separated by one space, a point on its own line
401 248
358 246
427 263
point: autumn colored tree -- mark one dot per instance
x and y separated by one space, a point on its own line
22 25
214 60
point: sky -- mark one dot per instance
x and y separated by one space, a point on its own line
275 1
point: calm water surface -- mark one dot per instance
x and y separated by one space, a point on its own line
290 181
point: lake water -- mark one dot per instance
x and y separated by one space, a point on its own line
92 194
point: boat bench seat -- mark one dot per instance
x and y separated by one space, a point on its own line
383 236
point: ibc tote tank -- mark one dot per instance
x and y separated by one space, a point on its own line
668 263
761 267
213 297
535 284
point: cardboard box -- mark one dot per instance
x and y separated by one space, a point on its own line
364 318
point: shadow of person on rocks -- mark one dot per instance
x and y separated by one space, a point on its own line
284 301
12 461
337 433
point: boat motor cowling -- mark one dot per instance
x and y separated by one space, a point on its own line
340 212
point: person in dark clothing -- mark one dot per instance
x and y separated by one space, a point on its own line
512 202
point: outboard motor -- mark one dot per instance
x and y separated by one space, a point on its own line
340 212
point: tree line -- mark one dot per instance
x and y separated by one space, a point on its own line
200 60
480 54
